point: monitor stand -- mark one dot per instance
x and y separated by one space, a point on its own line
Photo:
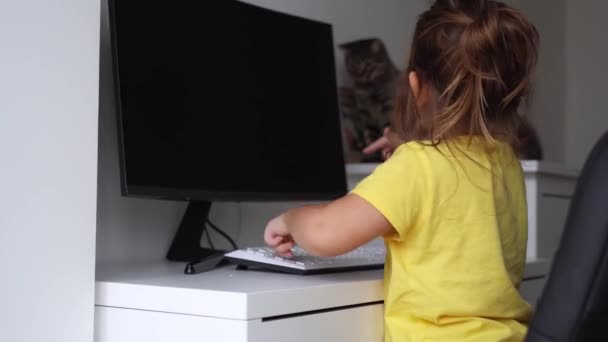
186 245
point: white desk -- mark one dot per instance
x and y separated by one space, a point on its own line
157 302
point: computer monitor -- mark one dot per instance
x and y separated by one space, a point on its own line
224 101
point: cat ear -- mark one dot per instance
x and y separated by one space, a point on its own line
377 46
344 46
345 50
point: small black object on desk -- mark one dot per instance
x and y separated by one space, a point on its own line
206 264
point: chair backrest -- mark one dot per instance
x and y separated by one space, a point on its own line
574 303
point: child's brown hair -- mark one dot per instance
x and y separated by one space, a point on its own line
477 58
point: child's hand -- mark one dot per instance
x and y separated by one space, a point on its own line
387 144
278 237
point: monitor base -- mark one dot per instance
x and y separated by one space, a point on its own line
186 245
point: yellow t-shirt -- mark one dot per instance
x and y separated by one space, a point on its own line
457 258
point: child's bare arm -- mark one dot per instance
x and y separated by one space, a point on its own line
328 229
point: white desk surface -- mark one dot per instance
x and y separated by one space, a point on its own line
230 293
233 294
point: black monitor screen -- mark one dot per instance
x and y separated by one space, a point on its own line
221 100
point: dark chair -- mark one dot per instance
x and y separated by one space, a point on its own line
574 303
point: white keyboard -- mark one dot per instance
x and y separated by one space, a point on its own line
362 258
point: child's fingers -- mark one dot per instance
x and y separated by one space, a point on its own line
286 254
271 237
387 153
273 240
275 231
376 145
284 247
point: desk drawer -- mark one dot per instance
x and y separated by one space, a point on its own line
358 324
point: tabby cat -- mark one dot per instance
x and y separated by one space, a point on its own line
367 104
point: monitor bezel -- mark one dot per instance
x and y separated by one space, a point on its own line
187 194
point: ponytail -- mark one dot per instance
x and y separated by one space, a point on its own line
478 58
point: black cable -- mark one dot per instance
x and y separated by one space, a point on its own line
209 238
222 234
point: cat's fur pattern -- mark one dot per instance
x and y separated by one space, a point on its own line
367 104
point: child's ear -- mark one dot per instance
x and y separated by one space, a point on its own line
414 84
420 92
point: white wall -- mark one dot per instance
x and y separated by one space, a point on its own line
570 107
548 110
136 229
48 144
391 20
587 74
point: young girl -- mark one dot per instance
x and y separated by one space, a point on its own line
450 200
